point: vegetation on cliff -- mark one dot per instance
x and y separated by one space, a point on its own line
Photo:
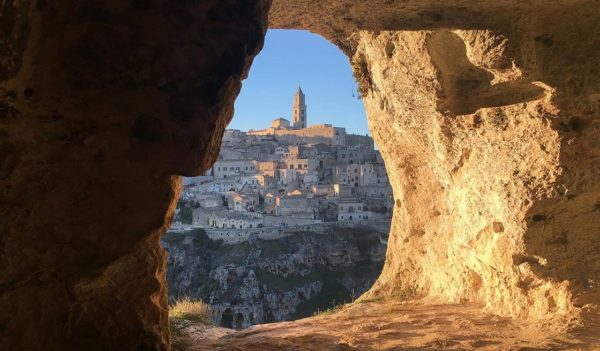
272 280
183 314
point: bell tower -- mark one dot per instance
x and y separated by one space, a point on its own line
299 110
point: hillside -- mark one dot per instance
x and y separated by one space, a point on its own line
265 281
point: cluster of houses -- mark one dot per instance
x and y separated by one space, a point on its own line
291 174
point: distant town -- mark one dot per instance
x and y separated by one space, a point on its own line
289 174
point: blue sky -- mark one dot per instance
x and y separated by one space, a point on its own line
290 57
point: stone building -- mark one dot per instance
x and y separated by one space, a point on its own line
299 110
342 190
209 200
351 210
229 168
222 186
242 202
295 204
301 165
234 220
372 173
323 189
280 123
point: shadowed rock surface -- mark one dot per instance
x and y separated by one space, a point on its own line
101 103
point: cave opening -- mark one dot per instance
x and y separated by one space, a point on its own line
227 319
292 219
485 112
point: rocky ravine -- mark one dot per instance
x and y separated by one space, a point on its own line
265 281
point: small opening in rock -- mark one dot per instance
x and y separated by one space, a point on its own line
227 319
293 217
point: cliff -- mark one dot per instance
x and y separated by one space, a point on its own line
274 280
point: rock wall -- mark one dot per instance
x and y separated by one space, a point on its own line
470 161
285 278
485 114
234 236
101 102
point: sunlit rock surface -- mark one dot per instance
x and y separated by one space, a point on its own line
467 171
486 113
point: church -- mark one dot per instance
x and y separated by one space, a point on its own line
299 132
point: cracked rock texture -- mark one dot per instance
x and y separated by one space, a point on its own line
266 281
486 113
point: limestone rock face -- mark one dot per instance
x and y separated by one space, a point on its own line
486 115
467 171
266 281
101 103
486 112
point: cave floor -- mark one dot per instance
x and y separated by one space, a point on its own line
402 326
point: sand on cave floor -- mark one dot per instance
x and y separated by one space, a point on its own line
403 326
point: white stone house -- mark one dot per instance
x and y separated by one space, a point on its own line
351 210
